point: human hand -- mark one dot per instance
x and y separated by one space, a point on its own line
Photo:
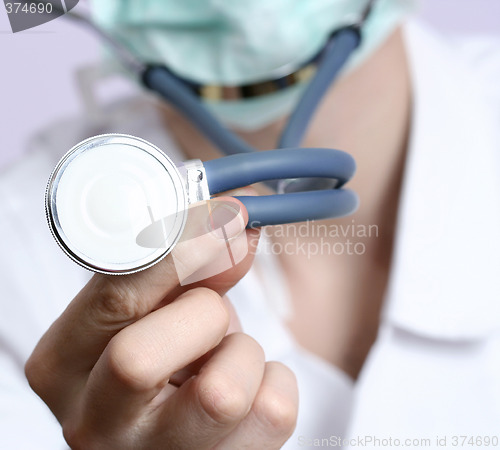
141 362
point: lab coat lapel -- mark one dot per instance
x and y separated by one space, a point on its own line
446 277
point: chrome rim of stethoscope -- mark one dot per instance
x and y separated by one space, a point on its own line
79 236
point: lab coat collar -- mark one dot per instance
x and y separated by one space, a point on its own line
445 282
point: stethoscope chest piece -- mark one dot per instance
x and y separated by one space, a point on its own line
105 192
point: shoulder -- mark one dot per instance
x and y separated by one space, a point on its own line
474 58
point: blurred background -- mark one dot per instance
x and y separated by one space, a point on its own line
64 48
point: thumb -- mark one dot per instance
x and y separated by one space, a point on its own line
222 219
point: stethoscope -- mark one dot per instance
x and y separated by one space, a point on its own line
108 188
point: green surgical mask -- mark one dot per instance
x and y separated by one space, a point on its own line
236 42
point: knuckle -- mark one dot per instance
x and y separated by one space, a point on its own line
247 345
275 407
251 345
74 437
33 375
38 374
80 437
276 411
222 400
128 365
116 302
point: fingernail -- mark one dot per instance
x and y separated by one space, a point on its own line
225 220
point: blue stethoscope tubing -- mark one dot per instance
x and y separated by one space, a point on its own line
175 91
286 163
244 165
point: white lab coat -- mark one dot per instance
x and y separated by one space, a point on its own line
434 371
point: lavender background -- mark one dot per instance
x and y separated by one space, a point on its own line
37 85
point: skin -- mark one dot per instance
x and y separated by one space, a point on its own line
143 362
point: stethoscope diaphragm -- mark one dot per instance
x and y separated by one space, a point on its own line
104 192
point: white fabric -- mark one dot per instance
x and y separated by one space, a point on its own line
464 220
435 369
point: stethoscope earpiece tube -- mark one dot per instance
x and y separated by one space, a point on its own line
235 171
174 90
160 80
244 166
339 49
